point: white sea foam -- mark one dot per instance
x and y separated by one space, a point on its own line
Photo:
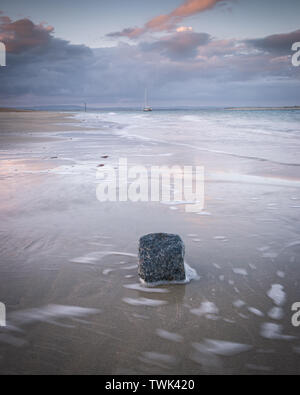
179 202
221 347
129 267
264 248
276 313
207 309
97 256
50 314
174 337
280 274
293 244
272 331
255 311
144 302
140 316
158 357
220 238
154 155
107 271
239 303
240 271
205 213
277 294
143 288
244 316
248 179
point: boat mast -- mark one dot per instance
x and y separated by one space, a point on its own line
146 98
146 106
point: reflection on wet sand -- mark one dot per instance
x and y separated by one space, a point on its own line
68 268
12 334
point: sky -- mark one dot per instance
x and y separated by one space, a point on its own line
186 52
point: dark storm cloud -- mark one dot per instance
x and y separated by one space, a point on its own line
183 65
178 46
38 63
280 44
129 32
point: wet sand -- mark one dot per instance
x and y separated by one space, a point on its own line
68 272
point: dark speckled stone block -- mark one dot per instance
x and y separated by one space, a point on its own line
161 258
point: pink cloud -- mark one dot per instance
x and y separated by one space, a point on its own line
169 21
23 34
191 7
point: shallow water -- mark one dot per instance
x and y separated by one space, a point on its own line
68 271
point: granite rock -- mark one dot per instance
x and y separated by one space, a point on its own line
161 258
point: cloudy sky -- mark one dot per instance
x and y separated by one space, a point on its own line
187 52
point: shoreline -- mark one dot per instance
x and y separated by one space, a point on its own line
183 108
287 108
4 109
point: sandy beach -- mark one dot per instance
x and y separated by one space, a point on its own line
68 271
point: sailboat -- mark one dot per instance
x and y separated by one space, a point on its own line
146 107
